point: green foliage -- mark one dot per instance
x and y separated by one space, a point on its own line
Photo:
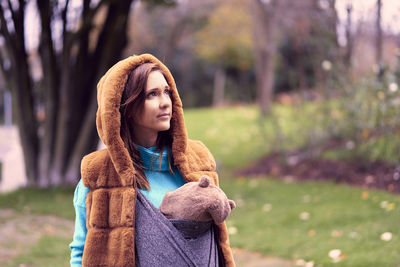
268 219
239 135
367 117
226 39
56 201
310 41
372 107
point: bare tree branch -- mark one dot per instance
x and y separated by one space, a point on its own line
86 23
13 16
64 20
4 30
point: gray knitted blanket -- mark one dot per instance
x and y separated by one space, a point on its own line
179 243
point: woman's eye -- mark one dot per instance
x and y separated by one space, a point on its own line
168 92
151 94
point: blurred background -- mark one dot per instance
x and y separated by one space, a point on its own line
298 100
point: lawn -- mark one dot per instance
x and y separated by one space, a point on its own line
302 221
308 220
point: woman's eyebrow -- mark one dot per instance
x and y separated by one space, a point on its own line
157 88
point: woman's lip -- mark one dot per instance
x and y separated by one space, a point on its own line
163 115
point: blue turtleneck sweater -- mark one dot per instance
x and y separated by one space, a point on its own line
160 179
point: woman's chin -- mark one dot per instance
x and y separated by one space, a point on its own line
164 127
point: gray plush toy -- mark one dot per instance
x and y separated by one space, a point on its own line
197 201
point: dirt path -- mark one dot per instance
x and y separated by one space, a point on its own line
20 231
254 259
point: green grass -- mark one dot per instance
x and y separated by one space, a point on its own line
50 251
332 208
228 132
237 135
56 201
236 139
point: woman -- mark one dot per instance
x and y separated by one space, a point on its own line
140 120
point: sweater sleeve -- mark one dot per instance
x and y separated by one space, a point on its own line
78 242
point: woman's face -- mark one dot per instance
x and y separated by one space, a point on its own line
157 108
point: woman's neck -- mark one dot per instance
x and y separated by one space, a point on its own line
146 143
146 138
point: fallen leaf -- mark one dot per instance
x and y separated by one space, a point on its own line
390 206
337 233
304 216
267 207
387 236
390 187
311 232
232 230
335 255
300 262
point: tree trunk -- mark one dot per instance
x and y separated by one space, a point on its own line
302 81
378 48
19 81
397 71
349 39
26 121
54 146
219 86
265 50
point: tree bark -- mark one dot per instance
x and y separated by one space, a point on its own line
51 91
349 39
111 42
19 81
265 50
68 84
378 48
219 86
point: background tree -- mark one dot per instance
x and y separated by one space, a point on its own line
53 84
265 45
349 39
226 42
379 40
304 33
170 37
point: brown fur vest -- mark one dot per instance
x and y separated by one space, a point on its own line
110 175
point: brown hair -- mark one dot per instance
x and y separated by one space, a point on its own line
132 102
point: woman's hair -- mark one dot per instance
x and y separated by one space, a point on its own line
132 103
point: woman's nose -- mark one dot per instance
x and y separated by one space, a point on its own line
165 101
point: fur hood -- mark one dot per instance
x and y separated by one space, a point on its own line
108 118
